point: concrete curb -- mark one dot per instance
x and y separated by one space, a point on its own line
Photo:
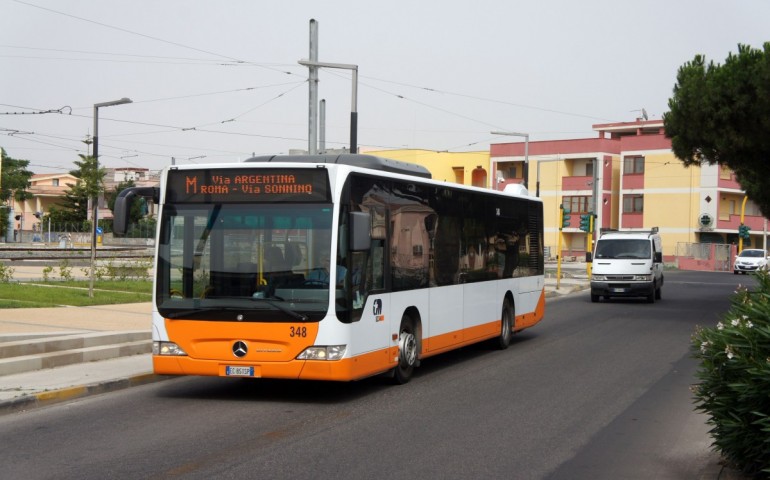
566 290
42 399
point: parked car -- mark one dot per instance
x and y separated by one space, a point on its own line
750 260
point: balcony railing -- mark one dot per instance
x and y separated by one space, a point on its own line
755 222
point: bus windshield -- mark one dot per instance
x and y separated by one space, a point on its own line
244 262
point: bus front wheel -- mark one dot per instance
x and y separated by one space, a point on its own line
407 351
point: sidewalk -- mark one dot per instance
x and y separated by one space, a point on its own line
27 390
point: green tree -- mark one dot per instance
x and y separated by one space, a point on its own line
90 175
73 207
14 182
719 114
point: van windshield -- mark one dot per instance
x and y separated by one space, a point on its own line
623 248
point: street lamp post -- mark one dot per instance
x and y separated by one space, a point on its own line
95 200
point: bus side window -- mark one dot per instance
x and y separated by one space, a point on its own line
378 265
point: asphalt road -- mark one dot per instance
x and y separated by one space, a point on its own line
594 391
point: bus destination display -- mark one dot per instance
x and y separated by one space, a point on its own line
247 185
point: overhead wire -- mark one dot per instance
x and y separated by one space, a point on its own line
233 61
149 37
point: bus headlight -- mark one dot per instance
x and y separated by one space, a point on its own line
167 348
327 352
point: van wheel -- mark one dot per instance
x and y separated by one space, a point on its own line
506 327
407 352
651 297
657 293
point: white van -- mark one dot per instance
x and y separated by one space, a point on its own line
627 264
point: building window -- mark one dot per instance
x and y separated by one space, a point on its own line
55 182
633 203
633 165
578 204
459 174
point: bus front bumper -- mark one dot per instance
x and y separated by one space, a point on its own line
346 369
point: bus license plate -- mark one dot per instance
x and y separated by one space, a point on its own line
232 371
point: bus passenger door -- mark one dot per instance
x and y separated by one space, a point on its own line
372 331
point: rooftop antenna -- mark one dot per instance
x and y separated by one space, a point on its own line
644 115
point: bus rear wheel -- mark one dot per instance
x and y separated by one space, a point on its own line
407 351
506 327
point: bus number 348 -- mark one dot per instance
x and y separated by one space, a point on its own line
298 331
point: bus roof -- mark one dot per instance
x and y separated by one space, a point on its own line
354 159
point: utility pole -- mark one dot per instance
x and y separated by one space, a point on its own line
322 129
313 64
312 134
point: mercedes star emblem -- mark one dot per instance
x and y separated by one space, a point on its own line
240 348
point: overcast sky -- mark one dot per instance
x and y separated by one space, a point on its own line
218 80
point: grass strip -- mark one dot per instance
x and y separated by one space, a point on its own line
54 294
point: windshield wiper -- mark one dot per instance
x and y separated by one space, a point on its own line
278 306
192 311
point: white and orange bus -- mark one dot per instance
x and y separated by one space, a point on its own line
334 267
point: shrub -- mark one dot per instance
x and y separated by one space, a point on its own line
65 271
6 273
734 379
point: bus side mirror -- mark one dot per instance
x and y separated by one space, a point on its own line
122 211
589 257
121 214
360 231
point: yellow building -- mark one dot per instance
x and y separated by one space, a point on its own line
45 190
465 168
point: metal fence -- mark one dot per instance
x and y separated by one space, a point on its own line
76 233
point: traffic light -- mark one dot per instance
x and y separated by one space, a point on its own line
743 232
585 222
565 216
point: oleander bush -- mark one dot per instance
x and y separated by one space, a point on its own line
734 379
